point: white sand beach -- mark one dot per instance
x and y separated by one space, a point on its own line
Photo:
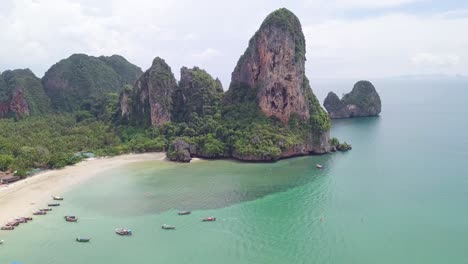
23 197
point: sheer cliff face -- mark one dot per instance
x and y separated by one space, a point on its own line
362 101
271 73
152 95
274 64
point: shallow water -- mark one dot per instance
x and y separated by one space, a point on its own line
398 197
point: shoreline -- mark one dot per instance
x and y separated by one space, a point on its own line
23 197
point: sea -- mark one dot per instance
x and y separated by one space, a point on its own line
399 196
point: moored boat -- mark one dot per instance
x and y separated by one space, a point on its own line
46 209
57 198
168 227
21 220
209 219
71 218
123 232
83 239
1 241
13 223
184 212
53 204
7 228
39 213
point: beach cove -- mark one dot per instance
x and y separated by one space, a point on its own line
397 197
23 197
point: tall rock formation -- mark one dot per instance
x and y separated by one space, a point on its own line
79 81
362 101
271 75
197 93
151 97
22 94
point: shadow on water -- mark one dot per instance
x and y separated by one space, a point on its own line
148 188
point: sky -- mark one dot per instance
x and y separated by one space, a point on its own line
358 39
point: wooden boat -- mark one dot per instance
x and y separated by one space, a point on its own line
46 209
13 223
168 227
57 198
21 220
318 166
123 232
83 239
39 213
184 213
53 204
209 219
71 219
7 228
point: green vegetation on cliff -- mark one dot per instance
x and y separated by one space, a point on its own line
287 20
80 81
25 83
197 93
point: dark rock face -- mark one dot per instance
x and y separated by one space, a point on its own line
125 104
22 94
362 101
179 151
197 93
81 80
152 95
271 74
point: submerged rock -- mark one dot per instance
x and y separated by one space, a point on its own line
362 101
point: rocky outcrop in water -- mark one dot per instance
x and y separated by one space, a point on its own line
179 150
271 75
22 94
362 101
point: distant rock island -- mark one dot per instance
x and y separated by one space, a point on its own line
362 101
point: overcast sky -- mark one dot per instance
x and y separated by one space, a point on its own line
358 39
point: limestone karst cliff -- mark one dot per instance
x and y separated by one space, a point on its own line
149 103
270 75
79 81
22 94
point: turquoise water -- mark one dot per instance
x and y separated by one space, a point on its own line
398 197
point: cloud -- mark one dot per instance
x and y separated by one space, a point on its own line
435 59
387 45
207 53
372 3
38 33
357 4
